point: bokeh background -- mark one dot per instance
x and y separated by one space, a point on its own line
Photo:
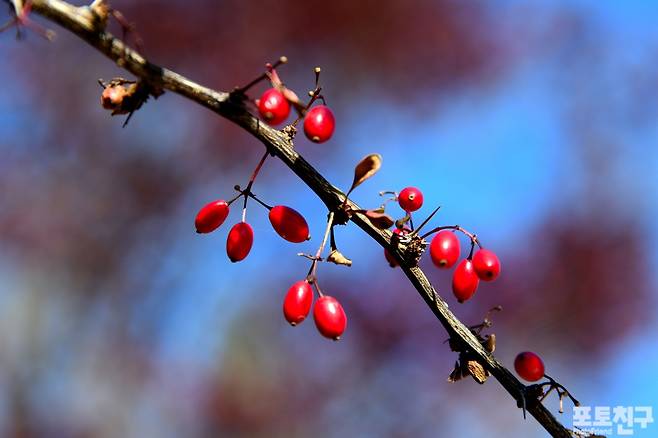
531 123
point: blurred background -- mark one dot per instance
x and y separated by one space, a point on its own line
531 123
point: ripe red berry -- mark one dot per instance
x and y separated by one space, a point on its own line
529 366
297 303
464 281
486 265
211 216
329 317
273 107
239 241
319 124
289 224
444 249
410 199
389 257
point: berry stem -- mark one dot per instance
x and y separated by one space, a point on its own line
311 276
262 77
560 388
257 170
247 190
315 95
473 237
236 197
251 195
420 227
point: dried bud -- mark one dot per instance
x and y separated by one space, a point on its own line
336 257
112 97
477 371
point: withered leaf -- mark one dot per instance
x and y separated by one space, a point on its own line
456 374
477 371
336 257
366 168
490 343
380 220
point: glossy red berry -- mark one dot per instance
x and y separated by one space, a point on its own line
486 265
297 303
239 241
289 224
529 366
329 317
389 257
319 124
273 107
464 281
444 249
211 216
410 199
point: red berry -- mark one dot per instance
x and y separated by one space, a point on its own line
273 107
464 281
239 241
329 317
529 366
211 216
319 124
298 302
444 249
410 199
389 257
289 224
486 265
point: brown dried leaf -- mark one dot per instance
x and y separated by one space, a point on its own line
477 371
365 169
380 220
490 343
336 257
456 374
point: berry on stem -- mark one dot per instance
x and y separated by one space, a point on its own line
289 224
486 265
273 107
464 281
297 303
329 317
319 124
239 241
211 216
529 366
410 199
389 257
444 249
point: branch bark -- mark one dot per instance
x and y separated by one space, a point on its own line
84 23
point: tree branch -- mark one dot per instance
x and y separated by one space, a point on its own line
83 22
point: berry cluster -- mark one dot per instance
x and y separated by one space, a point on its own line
287 222
275 104
329 316
445 249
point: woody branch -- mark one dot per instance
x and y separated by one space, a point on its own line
85 23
